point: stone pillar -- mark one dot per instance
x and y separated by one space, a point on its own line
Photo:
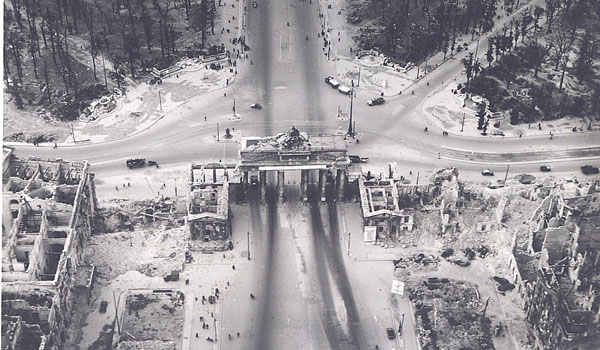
263 186
214 175
245 178
281 185
341 183
304 176
322 184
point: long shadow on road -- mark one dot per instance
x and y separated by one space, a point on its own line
330 266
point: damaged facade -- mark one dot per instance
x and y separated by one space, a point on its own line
48 215
388 205
208 204
557 272
382 217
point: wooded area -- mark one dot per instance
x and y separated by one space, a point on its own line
122 37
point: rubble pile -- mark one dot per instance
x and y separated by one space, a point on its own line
153 316
122 214
153 252
147 345
449 315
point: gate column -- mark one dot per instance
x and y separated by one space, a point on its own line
322 183
263 186
341 183
281 184
304 175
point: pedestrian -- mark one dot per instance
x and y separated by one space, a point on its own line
238 334
117 188
123 185
212 315
177 75
196 298
196 335
217 290
202 302
227 283
224 94
229 336
233 266
128 184
204 118
55 145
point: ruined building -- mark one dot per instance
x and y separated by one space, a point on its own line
48 215
208 205
557 272
388 205
382 217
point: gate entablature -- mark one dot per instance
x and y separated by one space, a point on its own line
292 151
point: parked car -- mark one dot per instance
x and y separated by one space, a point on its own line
256 106
487 172
589 170
174 276
344 89
545 168
331 81
390 333
103 306
376 101
254 4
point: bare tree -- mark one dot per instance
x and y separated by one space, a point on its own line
163 12
89 19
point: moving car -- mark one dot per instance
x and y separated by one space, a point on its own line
390 333
135 163
545 168
331 81
256 106
589 170
376 101
254 4
487 172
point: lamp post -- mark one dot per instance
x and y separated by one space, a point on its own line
248 239
350 128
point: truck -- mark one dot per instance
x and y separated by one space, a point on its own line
135 163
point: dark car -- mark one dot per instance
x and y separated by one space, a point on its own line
376 101
256 106
487 172
390 333
589 170
135 163
174 276
103 306
545 168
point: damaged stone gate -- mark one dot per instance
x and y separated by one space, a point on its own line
48 215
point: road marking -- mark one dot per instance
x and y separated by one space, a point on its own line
280 87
